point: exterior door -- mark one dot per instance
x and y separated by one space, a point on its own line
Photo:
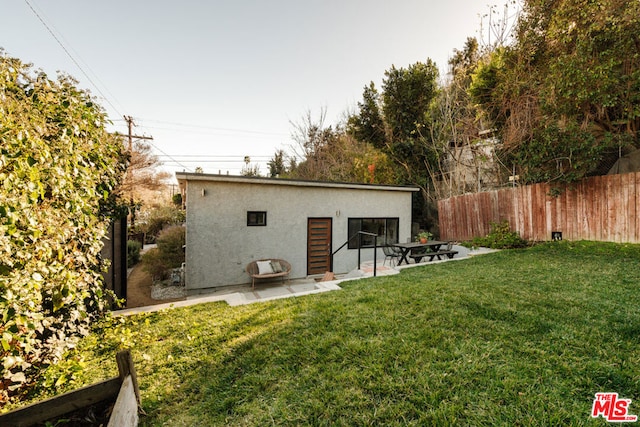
318 245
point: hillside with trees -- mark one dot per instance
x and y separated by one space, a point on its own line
549 93
565 95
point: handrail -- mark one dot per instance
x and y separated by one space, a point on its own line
347 242
375 248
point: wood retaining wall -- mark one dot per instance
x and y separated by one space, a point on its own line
122 390
602 208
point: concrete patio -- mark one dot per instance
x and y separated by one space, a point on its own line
244 294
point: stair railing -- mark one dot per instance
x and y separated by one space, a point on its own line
359 235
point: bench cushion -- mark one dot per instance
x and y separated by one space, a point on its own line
264 267
276 266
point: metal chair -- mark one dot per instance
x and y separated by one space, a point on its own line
391 253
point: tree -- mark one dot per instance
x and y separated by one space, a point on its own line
311 139
143 172
368 125
597 54
59 168
407 95
277 165
395 123
335 155
143 179
458 139
565 94
248 169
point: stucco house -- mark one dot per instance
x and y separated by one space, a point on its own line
234 220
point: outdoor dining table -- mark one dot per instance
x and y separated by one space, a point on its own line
406 248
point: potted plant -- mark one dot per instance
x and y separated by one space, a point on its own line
423 236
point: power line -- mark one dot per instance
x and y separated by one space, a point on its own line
213 128
131 137
200 156
213 133
206 161
69 54
129 120
175 161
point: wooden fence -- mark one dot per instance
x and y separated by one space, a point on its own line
602 208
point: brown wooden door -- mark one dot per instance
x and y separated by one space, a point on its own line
318 245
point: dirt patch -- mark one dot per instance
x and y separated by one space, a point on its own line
139 288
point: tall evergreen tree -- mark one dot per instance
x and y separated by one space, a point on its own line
368 125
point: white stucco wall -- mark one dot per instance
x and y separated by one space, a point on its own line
220 244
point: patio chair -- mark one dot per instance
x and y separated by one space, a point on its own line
391 253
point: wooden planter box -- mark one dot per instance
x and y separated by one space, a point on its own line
122 389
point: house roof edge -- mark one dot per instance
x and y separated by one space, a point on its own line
189 176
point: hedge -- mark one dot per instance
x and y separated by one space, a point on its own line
59 168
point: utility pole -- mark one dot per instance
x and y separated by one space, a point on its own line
131 136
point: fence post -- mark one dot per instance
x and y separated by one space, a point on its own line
125 367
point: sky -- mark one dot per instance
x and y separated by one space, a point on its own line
213 81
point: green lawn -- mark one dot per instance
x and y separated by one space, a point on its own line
521 337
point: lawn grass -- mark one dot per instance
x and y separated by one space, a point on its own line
519 337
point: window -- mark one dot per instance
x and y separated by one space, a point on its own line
386 230
256 218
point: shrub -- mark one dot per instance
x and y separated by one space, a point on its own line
171 243
133 252
152 221
500 237
154 264
169 253
58 168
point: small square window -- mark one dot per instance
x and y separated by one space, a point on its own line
256 218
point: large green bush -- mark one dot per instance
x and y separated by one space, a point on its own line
500 237
58 167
